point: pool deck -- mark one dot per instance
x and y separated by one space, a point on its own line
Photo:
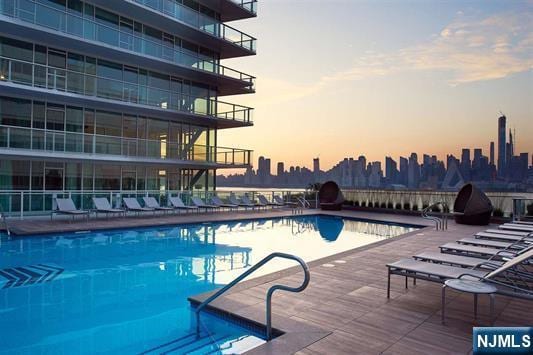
344 310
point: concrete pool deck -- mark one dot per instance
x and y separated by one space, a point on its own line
344 310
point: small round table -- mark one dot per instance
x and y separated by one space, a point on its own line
475 287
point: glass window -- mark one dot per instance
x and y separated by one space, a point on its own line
129 126
55 117
108 123
159 81
73 176
87 176
141 178
38 114
109 70
15 112
57 58
74 119
12 48
37 175
14 174
40 54
107 177
76 62
108 27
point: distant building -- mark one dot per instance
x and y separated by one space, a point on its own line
501 145
491 161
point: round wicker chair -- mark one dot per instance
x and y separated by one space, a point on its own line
472 206
330 196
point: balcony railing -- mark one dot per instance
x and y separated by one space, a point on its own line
52 78
35 139
86 28
249 5
205 23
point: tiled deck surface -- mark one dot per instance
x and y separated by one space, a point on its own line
345 310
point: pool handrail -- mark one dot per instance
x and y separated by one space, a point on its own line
269 292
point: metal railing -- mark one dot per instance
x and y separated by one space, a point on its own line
205 23
270 291
249 5
441 223
82 143
65 80
83 27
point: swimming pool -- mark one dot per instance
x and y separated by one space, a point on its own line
125 291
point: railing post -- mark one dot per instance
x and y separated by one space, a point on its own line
22 205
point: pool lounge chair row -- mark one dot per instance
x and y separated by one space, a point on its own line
66 206
503 260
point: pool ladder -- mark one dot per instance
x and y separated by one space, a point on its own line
4 221
269 292
441 223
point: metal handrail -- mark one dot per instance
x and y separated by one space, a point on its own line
440 223
269 292
3 215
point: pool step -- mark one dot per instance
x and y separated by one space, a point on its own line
28 275
206 344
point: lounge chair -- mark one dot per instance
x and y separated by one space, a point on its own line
453 260
517 227
66 206
102 205
508 278
245 199
197 201
215 200
151 202
177 203
504 237
233 200
479 251
280 201
488 243
508 232
263 200
133 205
527 223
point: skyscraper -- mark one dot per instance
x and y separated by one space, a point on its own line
280 169
391 170
119 95
316 166
491 161
501 145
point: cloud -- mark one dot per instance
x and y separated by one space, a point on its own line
467 50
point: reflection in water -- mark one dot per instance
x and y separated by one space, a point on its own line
134 284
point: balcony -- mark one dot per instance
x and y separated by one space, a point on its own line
73 25
115 93
18 142
231 10
173 17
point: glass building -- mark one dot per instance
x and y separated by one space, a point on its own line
118 97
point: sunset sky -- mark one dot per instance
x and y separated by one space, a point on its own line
341 78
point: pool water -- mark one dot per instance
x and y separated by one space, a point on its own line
125 291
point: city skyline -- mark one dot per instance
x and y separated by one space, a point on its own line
433 86
510 169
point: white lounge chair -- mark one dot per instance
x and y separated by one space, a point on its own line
151 202
177 203
102 205
279 200
133 205
66 206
